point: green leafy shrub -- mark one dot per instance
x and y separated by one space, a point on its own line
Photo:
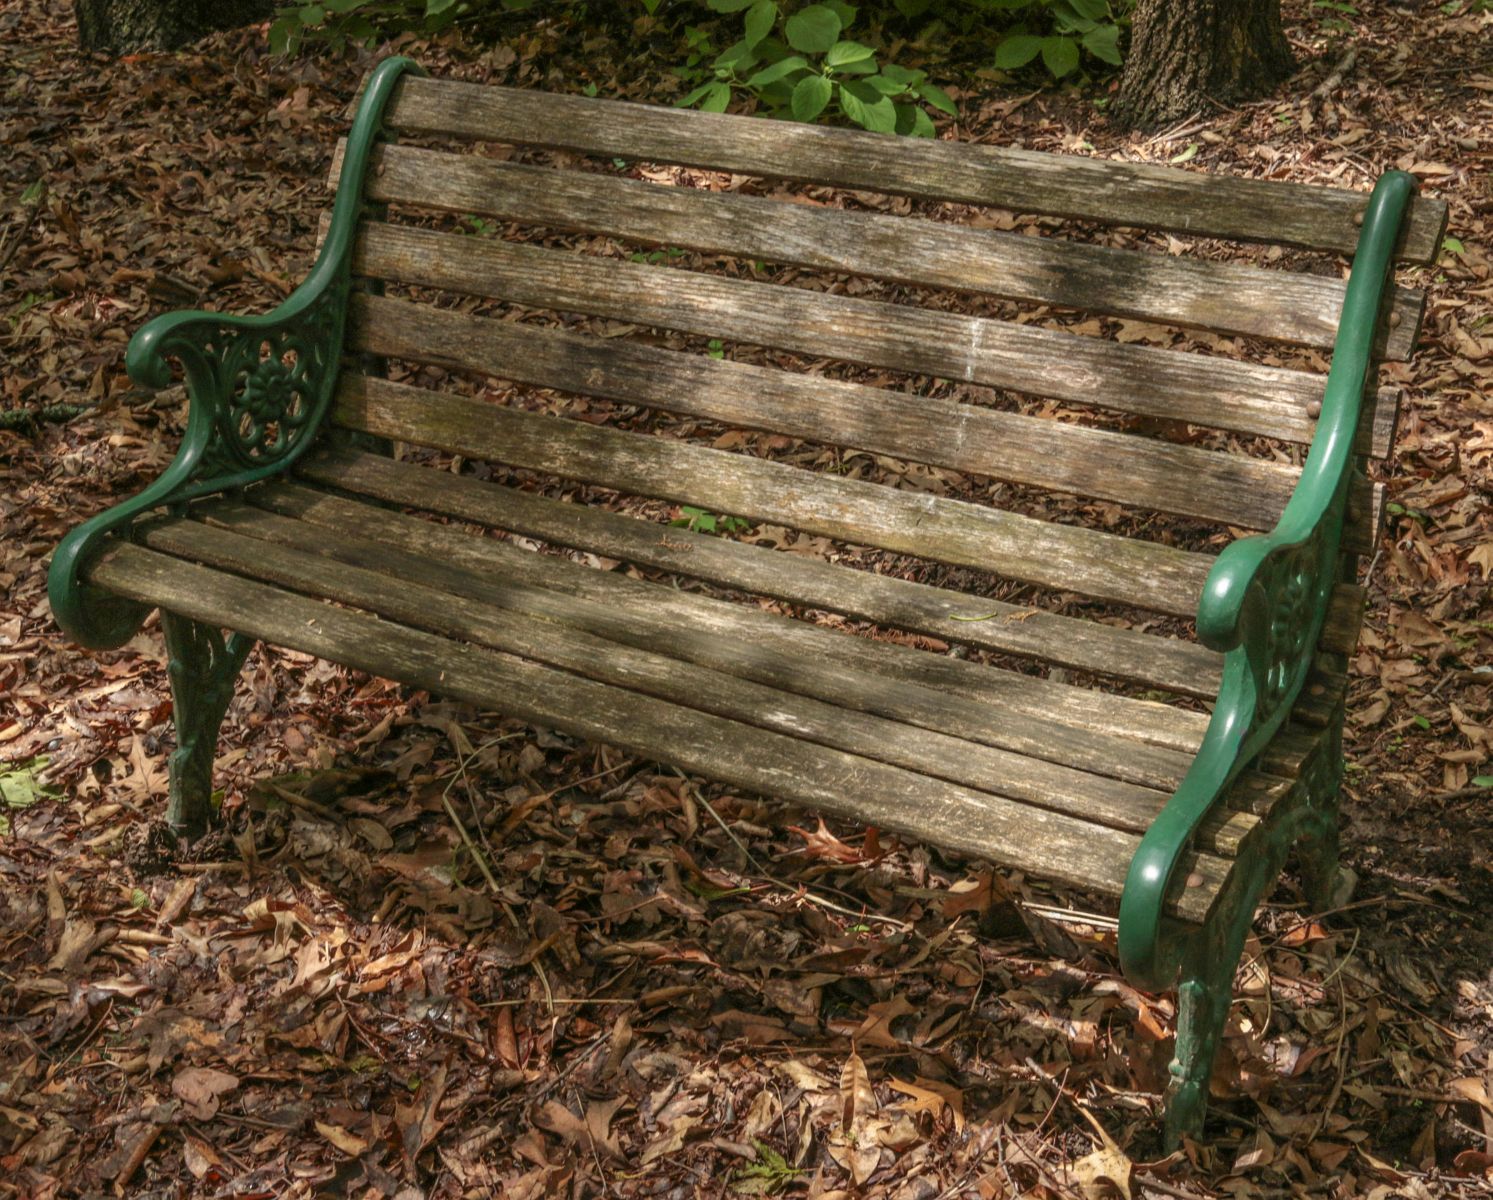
800 65
1059 33
357 22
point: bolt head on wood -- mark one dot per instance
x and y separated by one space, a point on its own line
1314 409
1358 217
1195 880
1395 318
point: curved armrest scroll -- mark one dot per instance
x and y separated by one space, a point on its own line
259 386
1265 602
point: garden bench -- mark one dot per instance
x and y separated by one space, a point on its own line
1145 707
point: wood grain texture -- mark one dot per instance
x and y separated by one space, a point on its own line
547 627
1022 836
1112 650
1122 193
1180 290
1104 566
1041 452
999 707
1167 384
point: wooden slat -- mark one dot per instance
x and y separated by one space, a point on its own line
1167 384
1077 726
775 693
1136 194
1038 451
1167 663
1173 289
1048 844
1105 566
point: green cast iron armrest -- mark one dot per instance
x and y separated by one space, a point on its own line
260 389
1265 602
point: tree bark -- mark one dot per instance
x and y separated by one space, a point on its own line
126 26
1185 54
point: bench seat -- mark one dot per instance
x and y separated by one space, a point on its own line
1040 549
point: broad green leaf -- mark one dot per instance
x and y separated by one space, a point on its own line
846 12
1485 781
1448 243
1094 10
760 19
810 95
1104 43
922 124
778 70
312 14
1187 155
939 98
39 189
903 75
844 53
884 85
813 30
1017 50
1060 55
712 97
434 8
868 108
728 6
736 57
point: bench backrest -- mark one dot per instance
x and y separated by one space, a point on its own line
746 316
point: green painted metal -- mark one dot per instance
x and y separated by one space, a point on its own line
260 389
1210 955
202 666
1264 605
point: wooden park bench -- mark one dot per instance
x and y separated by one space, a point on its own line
1145 706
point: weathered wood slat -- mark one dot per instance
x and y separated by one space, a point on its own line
1077 726
540 625
1032 450
1172 289
1167 663
1168 384
1022 836
1104 566
1135 194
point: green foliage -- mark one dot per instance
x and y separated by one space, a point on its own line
704 521
1058 33
340 23
799 64
21 787
767 1176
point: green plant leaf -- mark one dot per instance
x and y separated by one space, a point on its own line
760 19
1060 55
846 12
1104 43
728 6
1484 781
810 95
312 14
778 70
939 98
813 30
434 8
711 97
1017 50
868 108
903 75
1094 10
844 53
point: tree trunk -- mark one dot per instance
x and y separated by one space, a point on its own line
1185 54
125 26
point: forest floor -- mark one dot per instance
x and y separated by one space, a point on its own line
327 999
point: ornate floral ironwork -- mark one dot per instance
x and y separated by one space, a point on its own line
260 390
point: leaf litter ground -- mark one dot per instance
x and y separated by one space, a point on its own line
433 953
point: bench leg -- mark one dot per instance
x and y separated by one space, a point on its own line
1324 884
1205 992
202 665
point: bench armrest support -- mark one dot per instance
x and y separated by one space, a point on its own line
1265 602
260 388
